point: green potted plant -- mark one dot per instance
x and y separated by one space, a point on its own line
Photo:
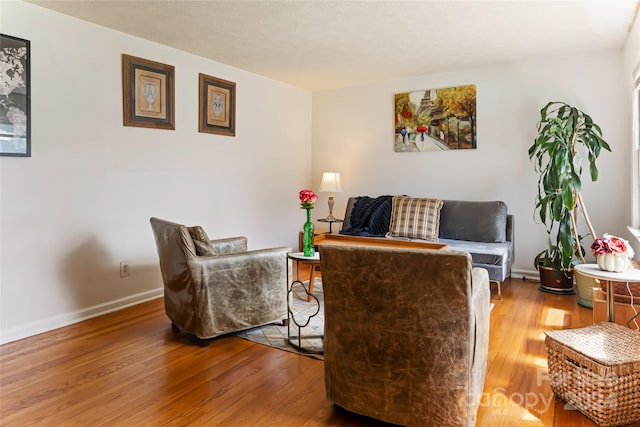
565 136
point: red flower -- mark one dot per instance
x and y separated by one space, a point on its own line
307 199
617 245
599 246
608 244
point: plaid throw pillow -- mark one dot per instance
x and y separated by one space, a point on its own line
415 218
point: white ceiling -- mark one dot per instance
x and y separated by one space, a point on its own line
322 45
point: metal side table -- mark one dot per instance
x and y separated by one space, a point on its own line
294 323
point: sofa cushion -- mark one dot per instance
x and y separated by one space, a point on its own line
496 258
201 241
415 218
481 252
473 221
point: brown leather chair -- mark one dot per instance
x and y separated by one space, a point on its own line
406 334
214 287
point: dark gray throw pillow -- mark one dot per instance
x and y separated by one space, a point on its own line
201 241
203 249
474 221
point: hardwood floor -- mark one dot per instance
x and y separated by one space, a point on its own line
130 369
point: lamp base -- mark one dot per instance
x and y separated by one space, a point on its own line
330 202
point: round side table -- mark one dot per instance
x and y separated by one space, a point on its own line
592 270
331 221
314 262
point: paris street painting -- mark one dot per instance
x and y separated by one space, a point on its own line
14 97
436 119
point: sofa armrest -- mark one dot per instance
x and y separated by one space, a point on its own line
511 238
230 245
510 228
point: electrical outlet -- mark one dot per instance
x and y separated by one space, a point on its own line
124 268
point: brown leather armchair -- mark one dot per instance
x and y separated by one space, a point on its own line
214 287
406 334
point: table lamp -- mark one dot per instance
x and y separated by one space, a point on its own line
331 183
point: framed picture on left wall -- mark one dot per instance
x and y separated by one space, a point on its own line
15 96
147 93
217 105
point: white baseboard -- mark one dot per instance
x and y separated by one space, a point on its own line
55 322
532 275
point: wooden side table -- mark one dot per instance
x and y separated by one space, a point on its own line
331 221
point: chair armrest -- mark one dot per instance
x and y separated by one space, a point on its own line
480 292
479 340
230 245
245 267
480 309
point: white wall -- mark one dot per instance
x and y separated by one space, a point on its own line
353 134
631 60
81 204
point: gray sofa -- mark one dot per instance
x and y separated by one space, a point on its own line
484 229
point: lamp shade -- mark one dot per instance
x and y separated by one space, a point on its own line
331 182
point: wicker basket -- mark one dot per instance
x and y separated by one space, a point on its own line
597 370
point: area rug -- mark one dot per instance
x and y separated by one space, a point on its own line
275 335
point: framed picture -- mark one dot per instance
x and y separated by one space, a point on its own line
147 93
15 99
436 119
217 112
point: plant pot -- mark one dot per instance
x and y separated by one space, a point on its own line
562 285
585 285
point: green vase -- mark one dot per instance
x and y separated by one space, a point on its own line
307 236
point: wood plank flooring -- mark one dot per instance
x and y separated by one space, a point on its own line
130 369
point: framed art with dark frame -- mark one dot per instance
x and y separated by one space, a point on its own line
147 93
15 101
217 112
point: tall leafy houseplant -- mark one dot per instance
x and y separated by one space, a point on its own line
565 136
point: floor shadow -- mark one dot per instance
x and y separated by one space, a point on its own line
345 417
